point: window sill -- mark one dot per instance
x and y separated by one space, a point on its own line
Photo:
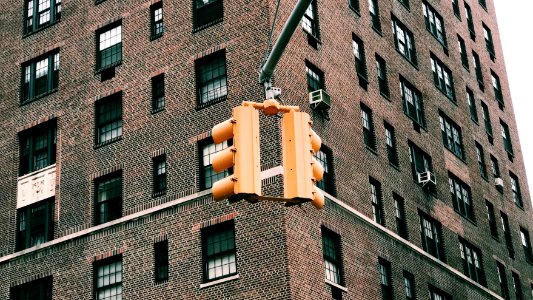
396 167
451 98
211 102
355 10
158 194
416 122
219 281
475 121
39 29
468 219
97 71
455 154
155 37
521 207
405 6
155 111
377 30
385 95
458 17
414 64
99 145
340 287
200 28
495 238
372 150
38 97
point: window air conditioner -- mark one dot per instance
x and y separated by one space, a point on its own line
498 182
427 179
319 100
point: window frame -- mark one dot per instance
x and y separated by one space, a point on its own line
506 138
373 10
336 259
478 70
203 168
161 266
409 285
391 145
491 217
29 86
497 87
515 189
325 157
452 136
472 260
315 77
217 229
438 294
507 234
487 121
461 195
489 43
385 276
101 264
156 25
116 202
432 18
381 71
404 39
112 106
218 60
434 245
517 284
29 155
416 153
480 154
54 12
160 180
495 167
158 93
369 134
416 113
359 57
526 244
43 285
502 278
310 20
24 219
471 101
376 197
99 67
215 14
400 216
442 78
470 21
462 52
354 5
456 9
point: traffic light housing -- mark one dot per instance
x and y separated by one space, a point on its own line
243 155
300 168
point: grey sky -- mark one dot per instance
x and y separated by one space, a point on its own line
514 23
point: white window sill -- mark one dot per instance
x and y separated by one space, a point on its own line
340 287
215 282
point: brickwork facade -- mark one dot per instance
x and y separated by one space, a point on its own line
279 251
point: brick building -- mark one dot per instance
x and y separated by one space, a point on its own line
106 109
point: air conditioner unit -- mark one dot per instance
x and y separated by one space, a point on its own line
427 179
319 100
498 182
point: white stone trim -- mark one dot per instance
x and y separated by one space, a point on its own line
219 281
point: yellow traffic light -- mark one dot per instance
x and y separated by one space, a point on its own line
243 155
300 169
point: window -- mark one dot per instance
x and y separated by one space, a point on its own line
507 145
354 5
377 201
451 136
219 253
160 175
526 244
108 198
40 289
37 147
497 88
409 285
436 294
161 261
483 4
404 3
208 175
507 233
456 10
487 34
109 119
381 69
374 15
331 247
156 12
401 220
108 279
492 219
462 52
481 161
40 76
368 127
207 13
158 92
470 21
472 105
517 286
315 78
486 120
211 79
420 161
41 13
472 262
392 150
495 167
502 277
109 46
431 236
325 157
442 77
515 187
412 102
310 19
434 23
477 68
385 279
359 54
461 197
404 40
35 224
